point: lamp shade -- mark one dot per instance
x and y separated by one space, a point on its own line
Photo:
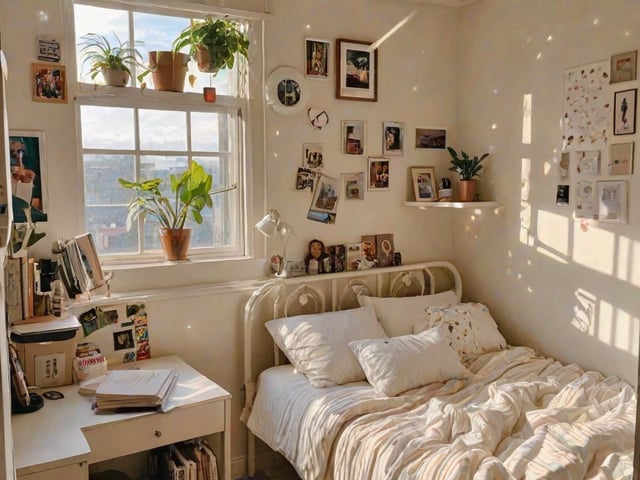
269 224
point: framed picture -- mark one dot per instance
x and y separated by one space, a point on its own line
286 91
623 67
431 138
357 71
624 113
588 162
316 58
378 173
353 185
324 204
392 138
612 201
353 137
312 156
424 184
621 159
49 82
28 175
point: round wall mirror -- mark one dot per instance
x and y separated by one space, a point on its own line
286 91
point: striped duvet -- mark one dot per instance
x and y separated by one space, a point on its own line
521 416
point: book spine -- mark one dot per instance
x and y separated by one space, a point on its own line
13 281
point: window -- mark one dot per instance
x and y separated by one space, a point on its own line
136 133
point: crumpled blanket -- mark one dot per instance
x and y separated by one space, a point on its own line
521 416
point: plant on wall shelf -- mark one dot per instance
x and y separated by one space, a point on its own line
191 192
468 168
111 58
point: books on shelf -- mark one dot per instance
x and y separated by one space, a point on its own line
191 460
135 389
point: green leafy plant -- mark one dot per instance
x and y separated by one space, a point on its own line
100 53
191 192
221 38
466 166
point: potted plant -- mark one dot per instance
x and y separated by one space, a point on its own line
213 43
468 168
191 193
113 60
168 70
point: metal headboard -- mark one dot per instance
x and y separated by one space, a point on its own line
280 297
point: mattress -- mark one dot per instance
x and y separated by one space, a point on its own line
520 416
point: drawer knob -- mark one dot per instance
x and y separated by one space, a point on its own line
158 433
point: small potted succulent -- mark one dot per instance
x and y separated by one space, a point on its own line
191 194
113 59
468 168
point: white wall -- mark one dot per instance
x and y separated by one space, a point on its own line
416 86
570 293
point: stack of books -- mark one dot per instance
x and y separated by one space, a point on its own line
127 389
192 460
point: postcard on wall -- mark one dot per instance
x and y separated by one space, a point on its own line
586 111
623 67
305 179
392 138
562 195
28 175
353 137
588 163
431 138
621 159
585 200
316 58
563 167
324 204
612 201
353 186
313 156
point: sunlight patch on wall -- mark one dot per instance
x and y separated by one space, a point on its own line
553 231
526 118
616 327
595 249
635 267
584 311
553 256
525 206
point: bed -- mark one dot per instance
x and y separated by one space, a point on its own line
386 374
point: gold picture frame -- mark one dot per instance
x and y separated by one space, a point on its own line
624 67
49 82
424 184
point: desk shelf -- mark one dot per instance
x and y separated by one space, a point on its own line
425 205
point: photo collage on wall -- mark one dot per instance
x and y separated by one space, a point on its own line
594 157
121 332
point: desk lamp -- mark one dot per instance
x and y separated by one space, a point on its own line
272 225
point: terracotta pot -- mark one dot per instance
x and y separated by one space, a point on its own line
168 70
115 78
204 60
175 242
466 190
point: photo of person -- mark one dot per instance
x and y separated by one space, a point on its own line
393 138
317 59
26 152
378 173
317 260
123 340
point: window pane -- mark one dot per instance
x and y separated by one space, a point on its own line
105 21
107 224
163 130
210 131
107 127
101 173
156 166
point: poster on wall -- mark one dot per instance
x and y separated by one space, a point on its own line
587 107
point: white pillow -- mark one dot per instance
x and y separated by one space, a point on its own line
316 344
472 329
398 315
397 364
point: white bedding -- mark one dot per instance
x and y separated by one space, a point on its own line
520 416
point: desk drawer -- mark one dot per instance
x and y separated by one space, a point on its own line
77 471
154 430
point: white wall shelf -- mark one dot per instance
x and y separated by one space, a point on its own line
423 205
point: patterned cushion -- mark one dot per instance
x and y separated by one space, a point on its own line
472 329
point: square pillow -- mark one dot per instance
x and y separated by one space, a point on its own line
472 329
398 315
316 344
397 364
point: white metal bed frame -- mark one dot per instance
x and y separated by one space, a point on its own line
307 294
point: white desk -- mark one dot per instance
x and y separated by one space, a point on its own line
61 439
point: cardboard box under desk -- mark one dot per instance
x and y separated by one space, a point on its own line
39 354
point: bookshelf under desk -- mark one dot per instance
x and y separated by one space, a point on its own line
61 439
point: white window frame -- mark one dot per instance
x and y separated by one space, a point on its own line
130 97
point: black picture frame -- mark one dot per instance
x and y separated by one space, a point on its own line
624 112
